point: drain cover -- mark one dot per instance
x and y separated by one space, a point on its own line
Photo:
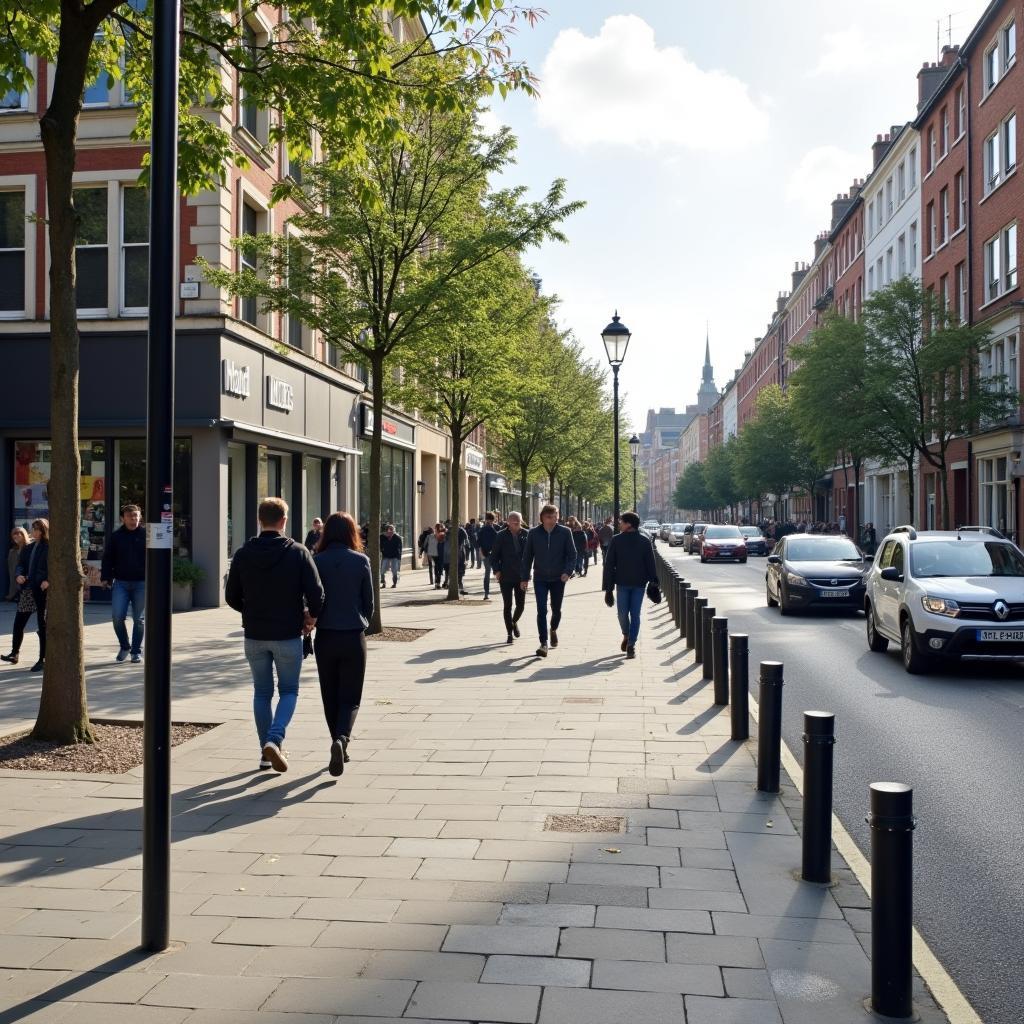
584 823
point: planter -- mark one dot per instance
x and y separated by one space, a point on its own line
181 597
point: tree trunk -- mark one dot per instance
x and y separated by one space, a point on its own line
373 526
524 498
63 707
911 496
453 533
947 520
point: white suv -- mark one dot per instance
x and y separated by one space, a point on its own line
946 594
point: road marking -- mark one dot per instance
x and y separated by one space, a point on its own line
949 997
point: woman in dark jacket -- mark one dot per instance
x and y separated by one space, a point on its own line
33 578
579 538
340 640
19 538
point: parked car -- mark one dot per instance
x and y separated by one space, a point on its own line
691 537
650 527
757 543
721 541
946 595
677 534
810 570
664 530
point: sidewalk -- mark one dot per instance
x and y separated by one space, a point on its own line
454 872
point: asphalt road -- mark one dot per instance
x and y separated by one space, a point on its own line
957 737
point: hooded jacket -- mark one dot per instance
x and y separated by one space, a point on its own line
272 581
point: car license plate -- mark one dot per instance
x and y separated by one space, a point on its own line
1010 635
835 593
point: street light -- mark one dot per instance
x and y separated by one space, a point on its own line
616 340
634 450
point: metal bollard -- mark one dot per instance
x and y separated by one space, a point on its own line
684 589
690 632
769 727
707 647
819 744
679 586
720 658
671 592
739 711
699 604
892 898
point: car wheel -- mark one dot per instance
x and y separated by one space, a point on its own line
742 561
876 642
914 661
771 602
784 605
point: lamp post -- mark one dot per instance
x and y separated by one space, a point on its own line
634 451
420 488
616 340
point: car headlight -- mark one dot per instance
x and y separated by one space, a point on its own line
795 580
940 606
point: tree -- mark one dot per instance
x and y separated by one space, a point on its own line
691 493
766 453
720 476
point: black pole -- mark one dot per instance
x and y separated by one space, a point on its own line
615 393
707 613
689 616
163 190
699 604
892 898
769 727
634 484
684 589
739 680
720 658
819 744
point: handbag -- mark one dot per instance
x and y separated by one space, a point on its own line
307 646
26 600
654 592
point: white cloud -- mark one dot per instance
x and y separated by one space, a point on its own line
822 173
621 88
844 53
488 120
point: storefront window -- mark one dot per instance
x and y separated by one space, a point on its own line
396 482
313 496
130 468
995 494
236 497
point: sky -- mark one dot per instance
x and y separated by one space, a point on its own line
707 141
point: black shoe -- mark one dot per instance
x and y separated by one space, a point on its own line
464 593
515 629
11 659
509 640
395 584
630 651
338 758
542 651
383 583
624 645
554 637
38 666
265 765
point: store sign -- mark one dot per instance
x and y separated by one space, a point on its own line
393 431
474 460
280 394
497 482
234 379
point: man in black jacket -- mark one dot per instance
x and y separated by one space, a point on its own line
485 538
124 570
506 560
274 583
390 555
628 568
550 553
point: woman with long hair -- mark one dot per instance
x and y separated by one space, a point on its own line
19 538
340 646
32 575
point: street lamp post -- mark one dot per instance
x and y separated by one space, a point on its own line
634 451
616 340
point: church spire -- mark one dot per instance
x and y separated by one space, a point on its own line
709 373
707 395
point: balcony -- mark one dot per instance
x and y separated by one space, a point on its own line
824 300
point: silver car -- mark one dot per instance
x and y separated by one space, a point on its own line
677 534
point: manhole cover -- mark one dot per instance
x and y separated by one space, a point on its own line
584 823
583 700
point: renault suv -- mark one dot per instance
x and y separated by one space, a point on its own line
946 595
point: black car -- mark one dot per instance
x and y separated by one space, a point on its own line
808 570
757 544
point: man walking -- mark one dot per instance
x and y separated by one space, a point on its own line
604 536
473 532
124 570
506 560
316 528
274 583
550 553
390 555
628 568
486 537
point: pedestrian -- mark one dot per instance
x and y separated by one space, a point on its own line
550 555
19 538
440 562
506 560
842 523
274 583
473 533
462 539
32 576
313 537
628 570
604 537
123 569
486 537
422 546
390 555
340 630
592 545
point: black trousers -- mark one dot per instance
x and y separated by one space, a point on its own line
341 665
511 590
21 621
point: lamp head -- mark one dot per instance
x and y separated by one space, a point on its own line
616 340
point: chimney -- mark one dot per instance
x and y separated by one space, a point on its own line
950 55
856 188
780 302
799 272
929 78
819 244
840 207
878 148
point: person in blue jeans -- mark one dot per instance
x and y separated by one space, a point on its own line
550 555
124 570
274 583
628 569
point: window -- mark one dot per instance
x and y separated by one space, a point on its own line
944 292
91 250
1008 133
901 256
944 216
1009 257
247 306
992 164
961 111
944 132
871 280
97 93
932 227
888 266
1008 39
12 253
961 291
294 335
888 199
871 218
913 247
995 493
134 250
15 99
912 168
901 182
960 187
248 112
1001 263
931 149
993 269
991 69
880 209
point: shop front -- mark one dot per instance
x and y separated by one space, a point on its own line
472 491
498 496
397 473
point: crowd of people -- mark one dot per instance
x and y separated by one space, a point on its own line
775 530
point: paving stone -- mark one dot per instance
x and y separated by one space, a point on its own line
501 1004
127 987
439 912
462 869
468 938
703 1010
654 920
504 892
264 1017
698 838
202 958
447 848
612 944
265 932
613 874
599 853
593 1006
560 915
536 871
347 909
652 977
699 878
98 955
244 905
362 935
353 995
112 1013
25 950
696 899
608 895
747 983
74 924
211 992
349 846
412 966
537 970
289 962
723 950
809 929
405 889
373 867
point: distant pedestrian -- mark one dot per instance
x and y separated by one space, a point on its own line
123 569
506 559
440 565
628 570
550 555
32 575
842 522
340 631
592 545
422 546
19 538
486 537
390 555
579 539
274 583
604 536
313 537
473 533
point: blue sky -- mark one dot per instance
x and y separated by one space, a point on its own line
707 141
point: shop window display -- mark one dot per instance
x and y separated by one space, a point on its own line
131 486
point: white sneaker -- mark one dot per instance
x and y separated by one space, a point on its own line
275 755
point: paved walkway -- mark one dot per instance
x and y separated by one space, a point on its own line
435 881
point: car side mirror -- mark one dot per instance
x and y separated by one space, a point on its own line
891 573
774 560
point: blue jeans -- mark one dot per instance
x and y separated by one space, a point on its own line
394 564
487 574
474 556
629 602
123 594
556 588
263 656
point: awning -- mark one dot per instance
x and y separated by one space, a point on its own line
254 432
496 481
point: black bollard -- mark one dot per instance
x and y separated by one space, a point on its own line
819 744
684 589
679 586
670 592
691 596
739 711
892 898
699 604
720 658
769 727
707 647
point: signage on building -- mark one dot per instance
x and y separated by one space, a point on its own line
497 482
392 431
280 394
474 460
234 379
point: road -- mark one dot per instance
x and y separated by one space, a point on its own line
957 737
